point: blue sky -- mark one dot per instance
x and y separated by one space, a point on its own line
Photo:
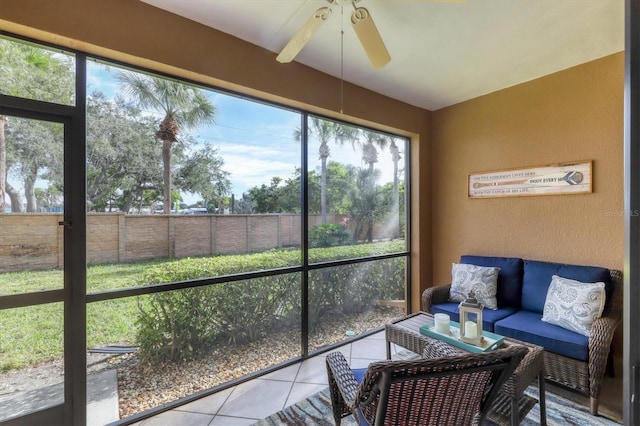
255 140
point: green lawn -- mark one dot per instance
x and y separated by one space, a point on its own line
34 334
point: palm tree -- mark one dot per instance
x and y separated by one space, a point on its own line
370 156
395 212
183 106
395 157
369 150
326 131
366 203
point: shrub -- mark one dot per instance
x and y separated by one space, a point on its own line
178 325
173 325
329 235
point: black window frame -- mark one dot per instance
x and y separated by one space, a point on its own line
74 294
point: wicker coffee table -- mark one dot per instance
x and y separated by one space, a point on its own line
512 404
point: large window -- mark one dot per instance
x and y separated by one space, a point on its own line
221 235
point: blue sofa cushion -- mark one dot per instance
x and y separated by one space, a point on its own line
537 278
528 326
359 374
489 316
509 278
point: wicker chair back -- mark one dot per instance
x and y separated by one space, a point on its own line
450 390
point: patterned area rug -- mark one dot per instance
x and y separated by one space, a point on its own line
316 411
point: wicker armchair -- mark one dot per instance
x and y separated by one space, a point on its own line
444 391
583 377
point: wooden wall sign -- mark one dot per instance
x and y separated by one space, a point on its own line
563 178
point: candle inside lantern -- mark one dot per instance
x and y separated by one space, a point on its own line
442 323
470 330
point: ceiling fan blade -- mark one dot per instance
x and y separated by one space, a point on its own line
304 34
370 38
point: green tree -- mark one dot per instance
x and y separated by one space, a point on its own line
370 141
284 195
121 149
341 184
17 205
34 150
182 107
201 173
393 209
267 198
244 205
35 73
49 198
291 194
367 204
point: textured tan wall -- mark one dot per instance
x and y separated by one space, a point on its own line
576 114
136 33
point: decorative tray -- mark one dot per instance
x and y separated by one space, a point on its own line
490 341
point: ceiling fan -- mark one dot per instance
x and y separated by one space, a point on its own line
362 24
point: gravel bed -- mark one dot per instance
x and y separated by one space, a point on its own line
142 385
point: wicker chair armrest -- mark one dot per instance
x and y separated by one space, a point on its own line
600 338
343 376
601 334
435 295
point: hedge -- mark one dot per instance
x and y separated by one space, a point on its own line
178 325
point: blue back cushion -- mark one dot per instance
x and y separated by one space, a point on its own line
537 278
509 278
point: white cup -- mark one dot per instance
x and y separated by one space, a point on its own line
443 323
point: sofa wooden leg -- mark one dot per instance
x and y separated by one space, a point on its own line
594 406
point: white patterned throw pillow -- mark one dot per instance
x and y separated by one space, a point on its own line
573 305
482 280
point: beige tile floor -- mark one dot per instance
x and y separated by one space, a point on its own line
253 400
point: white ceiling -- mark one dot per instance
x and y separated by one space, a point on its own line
442 53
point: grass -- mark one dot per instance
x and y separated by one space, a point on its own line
34 334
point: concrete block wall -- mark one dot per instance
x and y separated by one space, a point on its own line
35 241
30 241
103 238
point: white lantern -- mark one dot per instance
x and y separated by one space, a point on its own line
470 330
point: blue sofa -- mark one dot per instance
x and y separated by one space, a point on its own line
571 359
